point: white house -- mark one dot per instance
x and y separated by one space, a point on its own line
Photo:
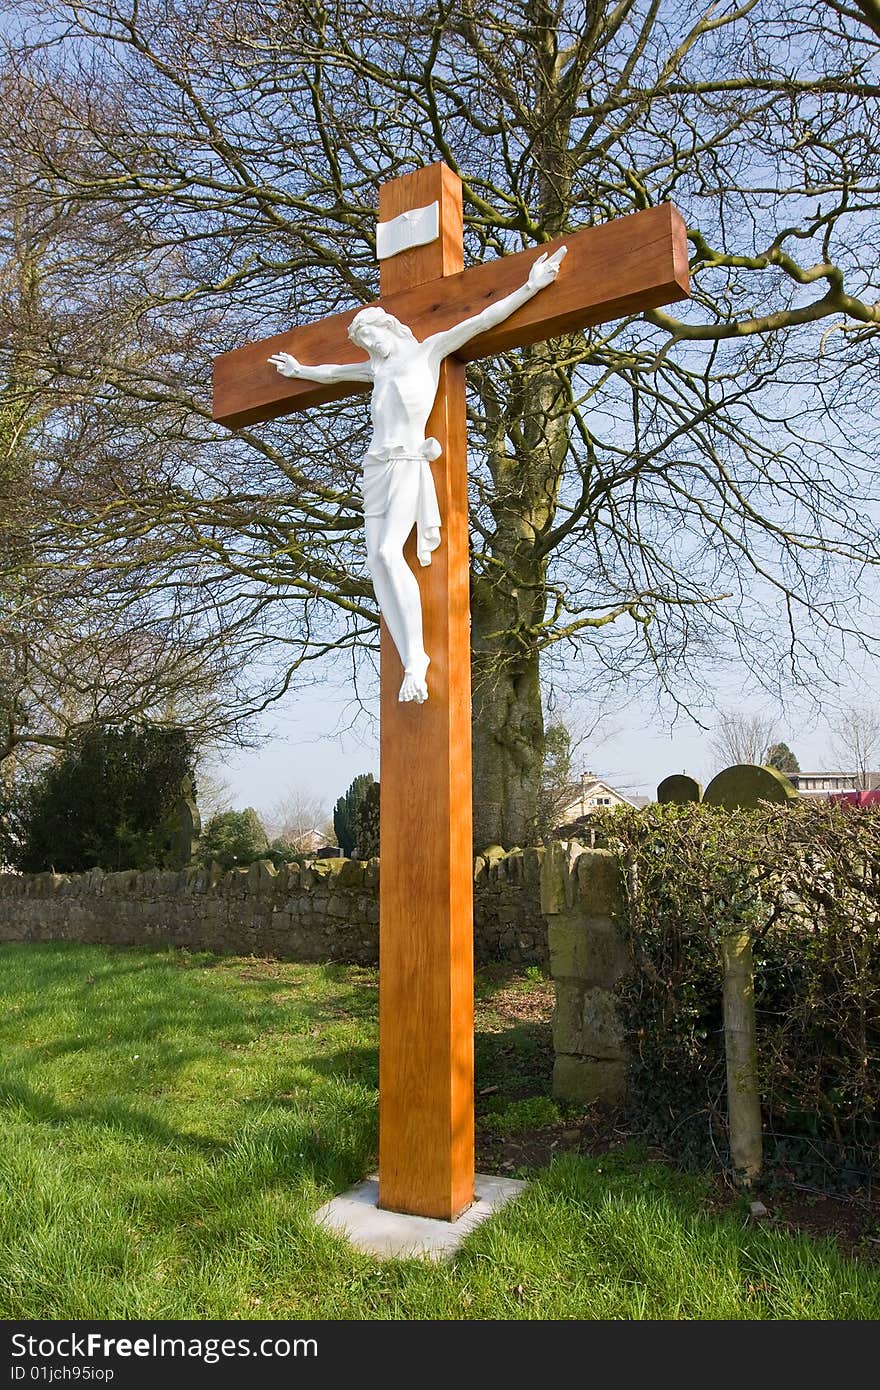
821 783
592 794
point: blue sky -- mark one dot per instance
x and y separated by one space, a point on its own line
314 749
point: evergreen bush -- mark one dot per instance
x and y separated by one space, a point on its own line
367 824
234 838
110 801
345 813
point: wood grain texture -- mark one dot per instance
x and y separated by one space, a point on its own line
426 1100
445 256
622 267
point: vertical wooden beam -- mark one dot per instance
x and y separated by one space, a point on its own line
426 1105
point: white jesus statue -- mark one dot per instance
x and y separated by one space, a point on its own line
398 486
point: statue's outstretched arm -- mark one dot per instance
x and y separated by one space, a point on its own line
326 375
543 273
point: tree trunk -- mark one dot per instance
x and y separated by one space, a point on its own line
527 422
508 741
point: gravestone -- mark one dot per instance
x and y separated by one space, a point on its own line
742 787
679 789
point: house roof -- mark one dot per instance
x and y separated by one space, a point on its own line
587 788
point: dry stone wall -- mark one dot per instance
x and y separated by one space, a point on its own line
326 910
565 898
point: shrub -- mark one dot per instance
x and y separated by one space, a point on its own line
367 824
280 852
110 801
233 838
805 879
345 813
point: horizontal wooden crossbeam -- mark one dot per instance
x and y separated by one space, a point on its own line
622 267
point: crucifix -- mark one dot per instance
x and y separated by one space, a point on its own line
415 480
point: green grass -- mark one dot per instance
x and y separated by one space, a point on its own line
171 1122
517 1115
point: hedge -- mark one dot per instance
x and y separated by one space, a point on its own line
804 880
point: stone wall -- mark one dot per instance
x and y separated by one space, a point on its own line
326 910
581 900
507 907
526 901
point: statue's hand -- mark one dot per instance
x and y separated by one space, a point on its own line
285 363
546 269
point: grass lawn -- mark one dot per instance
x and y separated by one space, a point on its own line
171 1121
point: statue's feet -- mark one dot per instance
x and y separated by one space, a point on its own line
415 686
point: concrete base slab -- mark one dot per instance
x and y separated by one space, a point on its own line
393 1235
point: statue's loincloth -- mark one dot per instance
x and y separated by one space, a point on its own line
385 470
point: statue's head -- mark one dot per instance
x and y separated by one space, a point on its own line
376 331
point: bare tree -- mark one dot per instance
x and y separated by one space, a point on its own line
214 794
862 11
742 738
642 494
568 743
296 816
855 741
82 641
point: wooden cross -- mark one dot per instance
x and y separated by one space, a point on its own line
426 1112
